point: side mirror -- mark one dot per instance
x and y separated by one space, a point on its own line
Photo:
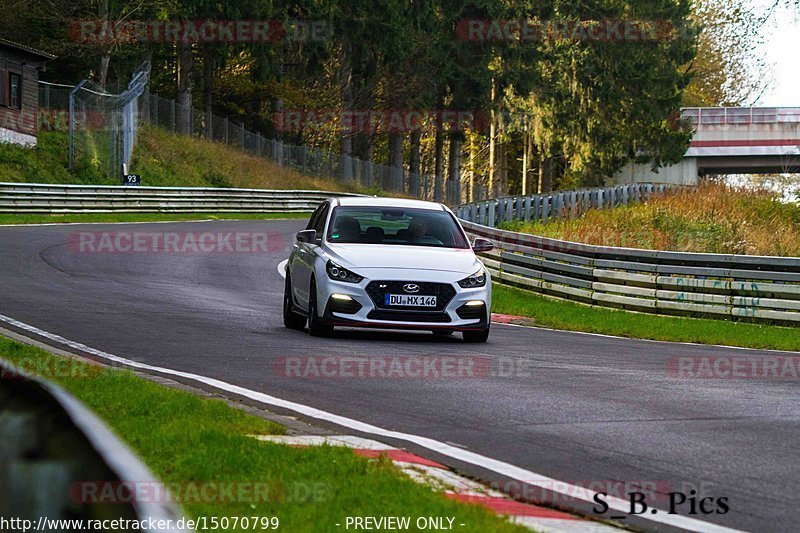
482 245
307 235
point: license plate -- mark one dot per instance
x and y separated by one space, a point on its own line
410 300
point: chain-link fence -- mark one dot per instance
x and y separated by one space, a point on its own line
305 159
103 126
54 106
104 133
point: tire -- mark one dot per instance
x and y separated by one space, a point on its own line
291 319
476 336
317 327
443 332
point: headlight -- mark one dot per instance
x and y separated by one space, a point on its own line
478 279
342 274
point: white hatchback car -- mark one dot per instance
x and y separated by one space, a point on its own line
387 263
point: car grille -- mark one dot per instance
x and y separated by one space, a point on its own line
444 292
409 316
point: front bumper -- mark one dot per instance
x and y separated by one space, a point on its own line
452 314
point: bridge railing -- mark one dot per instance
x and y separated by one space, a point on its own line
676 283
559 204
707 116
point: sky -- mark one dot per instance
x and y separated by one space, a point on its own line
782 50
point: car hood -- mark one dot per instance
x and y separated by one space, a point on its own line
375 256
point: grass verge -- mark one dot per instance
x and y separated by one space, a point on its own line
163 159
559 314
189 440
139 217
712 218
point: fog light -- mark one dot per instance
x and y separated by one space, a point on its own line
342 303
472 309
341 297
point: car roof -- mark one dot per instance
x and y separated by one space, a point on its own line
376 201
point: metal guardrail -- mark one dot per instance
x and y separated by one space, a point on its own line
50 443
44 198
681 283
561 204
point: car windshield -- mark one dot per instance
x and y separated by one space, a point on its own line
392 225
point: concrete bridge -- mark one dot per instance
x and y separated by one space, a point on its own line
731 140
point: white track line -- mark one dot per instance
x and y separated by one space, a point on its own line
499 467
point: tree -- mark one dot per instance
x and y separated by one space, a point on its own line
729 68
601 102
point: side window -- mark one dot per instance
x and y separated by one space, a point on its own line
315 216
319 224
15 90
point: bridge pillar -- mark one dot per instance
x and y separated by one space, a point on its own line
682 173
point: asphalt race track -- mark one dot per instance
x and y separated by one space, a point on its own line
579 408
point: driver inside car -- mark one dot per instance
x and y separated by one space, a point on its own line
419 232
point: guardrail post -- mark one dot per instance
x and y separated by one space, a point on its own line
490 219
573 203
527 209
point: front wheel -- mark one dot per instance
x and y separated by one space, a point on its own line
317 327
291 319
481 335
